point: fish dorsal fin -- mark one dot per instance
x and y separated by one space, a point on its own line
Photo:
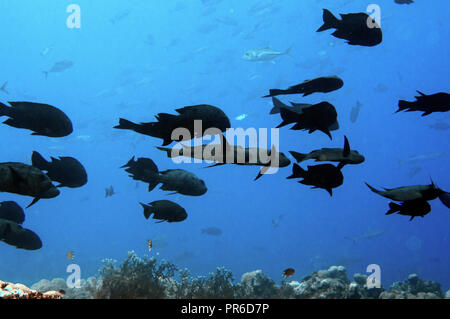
132 160
421 93
346 152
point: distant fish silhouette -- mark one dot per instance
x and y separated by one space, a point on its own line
59 67
3 88
109 191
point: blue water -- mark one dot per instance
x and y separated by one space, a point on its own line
134 59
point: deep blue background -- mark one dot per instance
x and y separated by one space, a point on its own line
166 54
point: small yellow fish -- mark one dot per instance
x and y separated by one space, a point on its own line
70 255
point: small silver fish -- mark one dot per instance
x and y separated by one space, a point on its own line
266 54
59 67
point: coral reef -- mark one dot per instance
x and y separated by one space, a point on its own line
414 288
141 278
324 284
86 291
135 278
19 291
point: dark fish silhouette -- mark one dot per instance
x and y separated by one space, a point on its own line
67 171
42 119
58 67
213 231
355 112
413 208
15 235
22 179
109 191
297 108
210 117
409 193
404 1
343 156
324 176
316 117
322 84
439 102
177 180
164 210
12 211
356 28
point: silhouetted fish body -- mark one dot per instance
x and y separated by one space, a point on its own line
317 117
42 119
15 235
210 117
324 176
165 210
177 180
342 155
357 28
413 208
322 84
22 179
67 171
439 102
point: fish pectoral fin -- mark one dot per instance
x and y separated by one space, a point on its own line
330 191
174 193
262 171
35 200
341 165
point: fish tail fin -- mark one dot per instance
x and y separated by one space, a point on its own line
329 21
3 88
147 210
277 105
126 125
288 51
393 208
274 92
45 74
299 157
38 161
403 105
373 189
4 110
297 172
